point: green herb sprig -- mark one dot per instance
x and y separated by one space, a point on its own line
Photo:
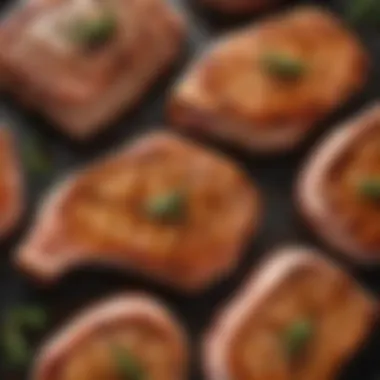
297 336
169 207
283 66
16 323
95 32
127 365
369 188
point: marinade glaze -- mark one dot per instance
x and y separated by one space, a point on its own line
299 317
162 206
338 189
12 200
264 87
130 336
81 63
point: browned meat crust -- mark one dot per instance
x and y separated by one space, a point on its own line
138 325
235 91
79 87
328 190
11 183
297 298
100 215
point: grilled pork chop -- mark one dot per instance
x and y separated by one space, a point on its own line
84 62
11 183
300 317
265 87
131 336
162 206
339 187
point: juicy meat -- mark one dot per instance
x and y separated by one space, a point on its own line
130 336
83 62
162 206
299 318
360 215
339 188
11 183
264 87
238 6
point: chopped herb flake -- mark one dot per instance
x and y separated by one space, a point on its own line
128 367
28 316
35 156
15 346
93 33
370 188
170 207
283 66
296 336
14 343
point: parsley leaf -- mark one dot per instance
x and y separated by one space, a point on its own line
127 366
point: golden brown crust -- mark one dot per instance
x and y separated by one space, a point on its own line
83 90
328 193
229 95
296 283
238 6
98 215
83 347
11 183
